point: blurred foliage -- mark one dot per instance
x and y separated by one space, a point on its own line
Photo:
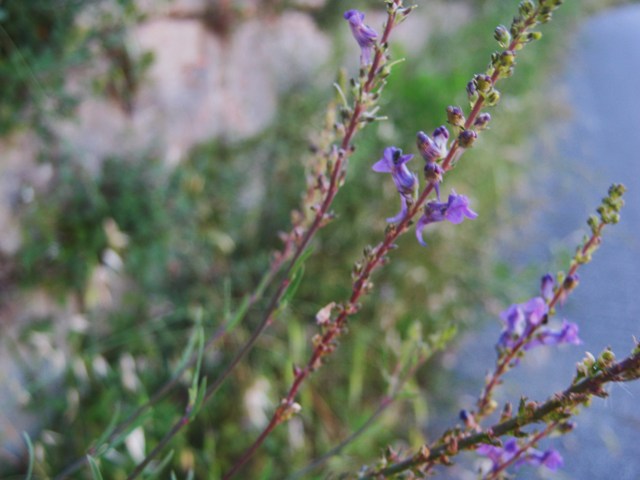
197 238
40 40
36 38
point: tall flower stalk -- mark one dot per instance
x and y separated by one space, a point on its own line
367 91
482 92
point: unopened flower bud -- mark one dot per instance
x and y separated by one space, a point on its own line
571 282
606 358
589 360
467 138
502 35
507 58
545 14
492 98
433 172
566 427
472 91
547 284
531 36
482 121
483 82
526 8
455 116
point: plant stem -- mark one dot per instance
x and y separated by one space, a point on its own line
577 394
503 364
320 216
325 345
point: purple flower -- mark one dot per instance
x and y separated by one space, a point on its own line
568 334
499 455
435 148
364 35
394 162
521 319
550 459
455 211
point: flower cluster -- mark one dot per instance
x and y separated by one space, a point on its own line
499 456
454 210
521 320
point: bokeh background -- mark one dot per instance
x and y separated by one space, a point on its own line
152 150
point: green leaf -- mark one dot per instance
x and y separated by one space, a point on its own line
194 392
297 272
199 398
301 260
108 431
32 457
188 352
95 470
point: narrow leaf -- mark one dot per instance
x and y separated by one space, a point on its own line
95 470
32 457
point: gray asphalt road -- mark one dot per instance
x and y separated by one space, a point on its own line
599 145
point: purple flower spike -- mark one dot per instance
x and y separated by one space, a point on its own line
364 35
455 211
394 162
435 148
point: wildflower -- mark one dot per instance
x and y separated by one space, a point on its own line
454 210
394 162
550 459
568 333
436 148
364 35
522 319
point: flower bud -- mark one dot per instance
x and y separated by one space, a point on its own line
606 358
502 35
472 91
482 121
507 58
526 8
531 36
483 82
492 98
547 284
467 138
455 116
571 282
